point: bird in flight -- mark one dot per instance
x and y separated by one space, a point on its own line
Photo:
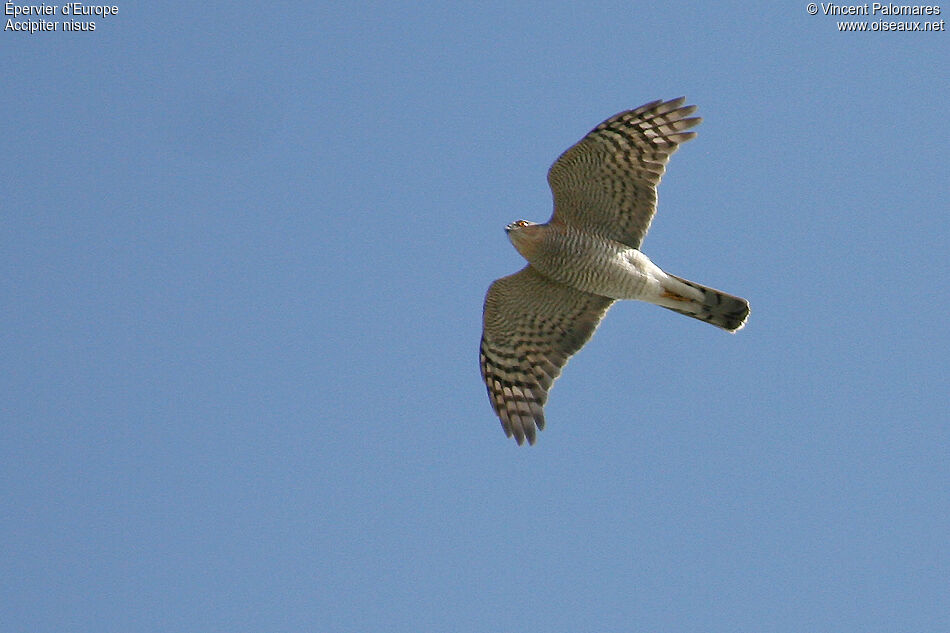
586 257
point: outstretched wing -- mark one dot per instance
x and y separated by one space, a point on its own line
606 183
532 325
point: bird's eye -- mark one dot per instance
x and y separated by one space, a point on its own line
522 223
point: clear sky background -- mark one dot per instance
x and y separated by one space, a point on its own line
244 250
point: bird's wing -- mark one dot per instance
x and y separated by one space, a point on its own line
606 183
532 325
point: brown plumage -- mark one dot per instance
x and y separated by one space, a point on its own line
586 257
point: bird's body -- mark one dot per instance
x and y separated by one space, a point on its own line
608 268
588 262
586 257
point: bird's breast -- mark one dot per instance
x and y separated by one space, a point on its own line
591 263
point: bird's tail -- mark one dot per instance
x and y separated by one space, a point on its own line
706 304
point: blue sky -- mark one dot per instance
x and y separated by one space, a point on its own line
244 250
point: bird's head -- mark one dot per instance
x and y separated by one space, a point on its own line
520 224
526 236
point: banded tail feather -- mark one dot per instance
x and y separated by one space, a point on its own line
723 310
